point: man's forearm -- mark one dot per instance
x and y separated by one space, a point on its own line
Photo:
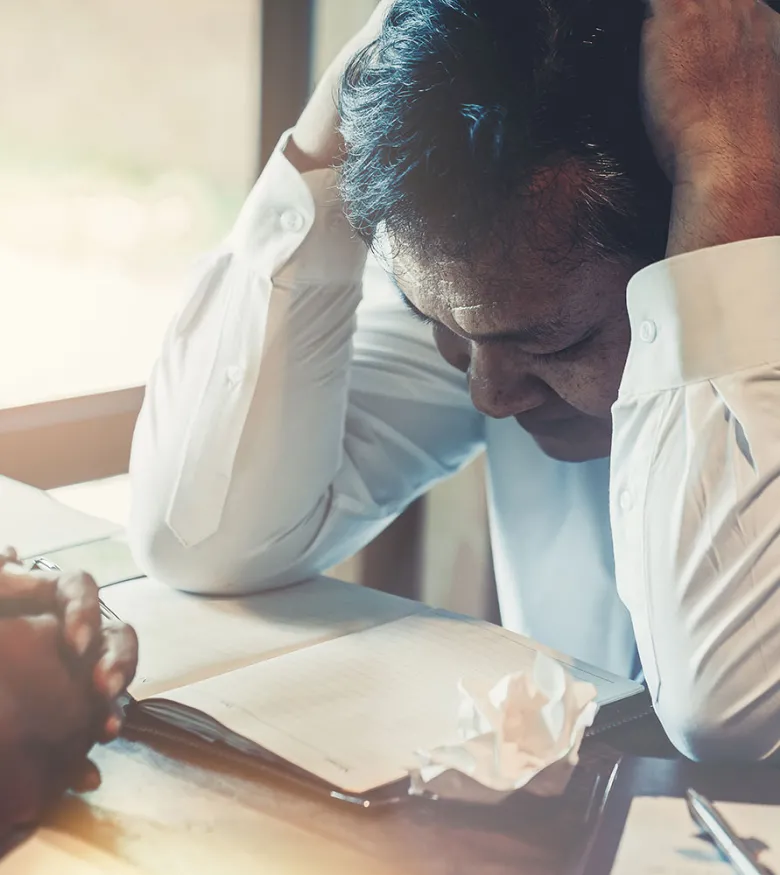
224 465
724 206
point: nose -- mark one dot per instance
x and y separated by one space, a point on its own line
500 388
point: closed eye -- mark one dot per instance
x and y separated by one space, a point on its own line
427 320
567 354
420 317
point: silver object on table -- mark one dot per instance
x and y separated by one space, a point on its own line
717 829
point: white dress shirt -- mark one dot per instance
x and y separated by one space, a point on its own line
286 424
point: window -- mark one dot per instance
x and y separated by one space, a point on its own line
131 133
129 140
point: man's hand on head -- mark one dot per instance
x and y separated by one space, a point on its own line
316 142
61 673
711 82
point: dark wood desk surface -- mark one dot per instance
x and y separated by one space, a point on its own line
163 811
638 776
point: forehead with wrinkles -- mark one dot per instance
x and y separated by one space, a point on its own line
529 247
489 295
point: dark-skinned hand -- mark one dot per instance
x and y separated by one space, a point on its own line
711 89
61 673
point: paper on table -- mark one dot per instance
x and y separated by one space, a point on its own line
523 732
36 523
661 839
354 711
109 560
186 638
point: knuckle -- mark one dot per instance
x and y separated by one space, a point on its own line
81 583
85 580
129 638
130 634
121 636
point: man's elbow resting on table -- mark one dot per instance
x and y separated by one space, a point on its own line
212 567
703 733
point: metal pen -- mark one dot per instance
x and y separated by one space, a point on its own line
731 846
42 564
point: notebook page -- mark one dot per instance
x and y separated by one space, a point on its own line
36 523
109 561
353 711
186 638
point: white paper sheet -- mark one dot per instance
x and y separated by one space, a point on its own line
523 732
109 560
354 711
661 839
35 523
185 638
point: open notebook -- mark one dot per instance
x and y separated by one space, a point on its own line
342 682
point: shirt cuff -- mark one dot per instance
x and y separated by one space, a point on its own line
297 220
703 315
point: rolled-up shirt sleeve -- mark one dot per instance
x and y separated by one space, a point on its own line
695 495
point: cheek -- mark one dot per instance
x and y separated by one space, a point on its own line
591 383
590 386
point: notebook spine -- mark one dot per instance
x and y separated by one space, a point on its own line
618 721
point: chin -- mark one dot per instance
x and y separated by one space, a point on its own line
569 448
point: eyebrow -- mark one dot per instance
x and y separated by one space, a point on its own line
535 332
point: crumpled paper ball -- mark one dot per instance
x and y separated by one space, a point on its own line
524 732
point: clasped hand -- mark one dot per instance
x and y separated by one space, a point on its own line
62 670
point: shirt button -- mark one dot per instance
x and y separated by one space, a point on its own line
626 501
648 331
234 376
291 220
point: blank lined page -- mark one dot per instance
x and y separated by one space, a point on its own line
353 711
186 638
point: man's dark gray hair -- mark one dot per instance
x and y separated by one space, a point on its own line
460 107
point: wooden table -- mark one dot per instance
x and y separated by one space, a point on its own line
655 777
165 810
163 813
